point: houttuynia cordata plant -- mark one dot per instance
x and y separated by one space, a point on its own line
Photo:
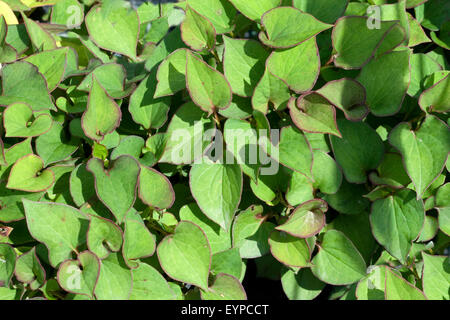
174 150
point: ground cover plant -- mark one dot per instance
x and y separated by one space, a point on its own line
177 150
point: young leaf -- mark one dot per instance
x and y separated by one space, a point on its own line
102 115
155 189
103 237
27 174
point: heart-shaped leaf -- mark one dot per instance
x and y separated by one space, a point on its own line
306 220
18 121
116 186
103 237
171 74
186 255
27 175
80 276
314 113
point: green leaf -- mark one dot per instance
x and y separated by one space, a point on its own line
186 255
82 185
302 285
228 261
219 239
22 74
246 224
424 151
338 262
27 174
220 12
436 277
102 115
114 27
19 121
115 268
51 64
197 32
155 189
377 77
217 188
255 9
398 288
145 110
436 98
138 241
41 38
243 63
359 150
171 74
80 276
396 221
29 269
7 264
189 124
54 145
60 227
224 287
103 237
289 250
69 13
270 89
278 34
327 175
348 95
356 43
116 186
111 77
324 10
298 66
149 284
208 88
306 220
421 67
314 113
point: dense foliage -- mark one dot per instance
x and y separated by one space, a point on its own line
154 152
